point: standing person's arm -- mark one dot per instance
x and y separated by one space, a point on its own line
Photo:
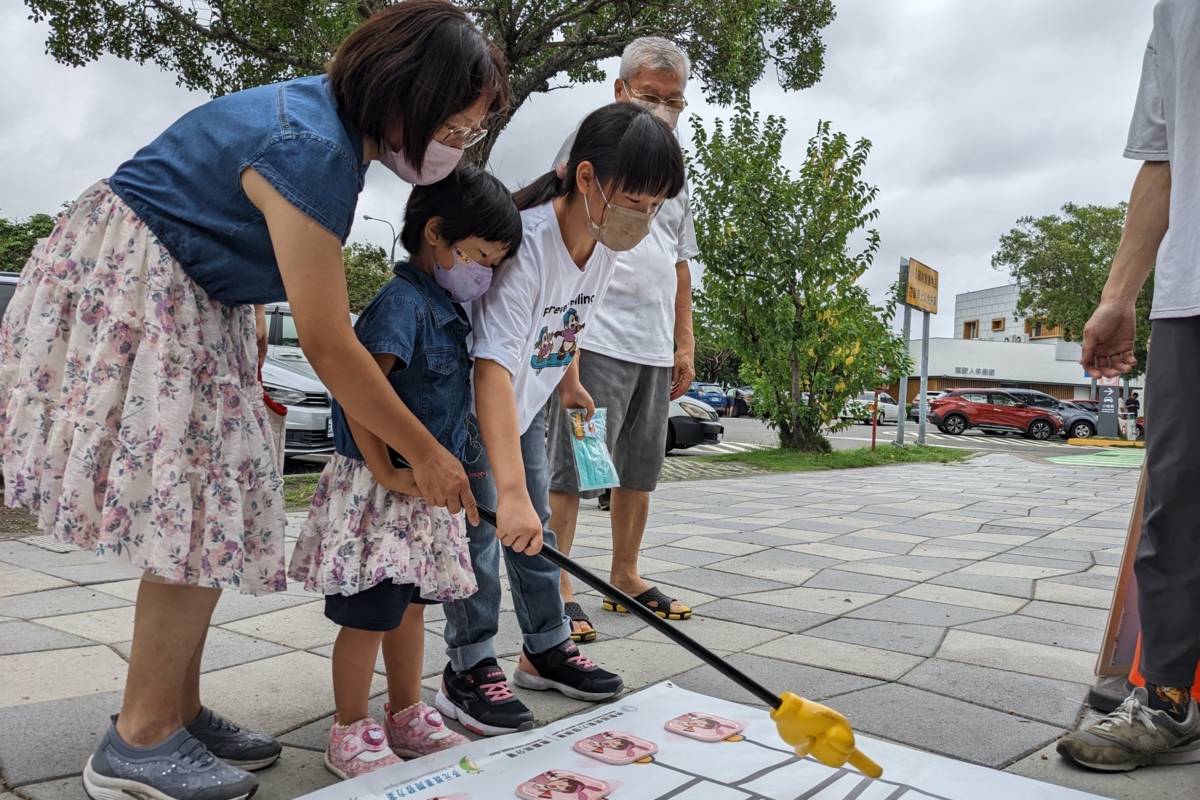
375 451
260 331
518 524
685 339
1109 335
571 392
500 322
310 263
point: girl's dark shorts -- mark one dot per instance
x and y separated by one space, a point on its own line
379 608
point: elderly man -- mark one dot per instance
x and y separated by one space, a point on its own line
638 354
1159 723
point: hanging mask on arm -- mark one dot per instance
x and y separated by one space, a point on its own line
593 464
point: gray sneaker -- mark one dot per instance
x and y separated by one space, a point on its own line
1135 735
231 744
180 768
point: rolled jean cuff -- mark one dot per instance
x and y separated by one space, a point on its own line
541 642
467 656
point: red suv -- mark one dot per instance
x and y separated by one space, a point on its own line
992 412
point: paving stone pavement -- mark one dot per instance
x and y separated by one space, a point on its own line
954 608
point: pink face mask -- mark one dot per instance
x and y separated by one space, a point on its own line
440 161
465 281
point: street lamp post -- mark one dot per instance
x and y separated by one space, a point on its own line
395 236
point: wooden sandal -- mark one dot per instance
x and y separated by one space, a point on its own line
577 614
662 605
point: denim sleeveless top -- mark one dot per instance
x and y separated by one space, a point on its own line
186 184
414 319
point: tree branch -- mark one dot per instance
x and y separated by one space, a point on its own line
227 34
622 38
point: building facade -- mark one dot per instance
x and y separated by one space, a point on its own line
990 315
994 347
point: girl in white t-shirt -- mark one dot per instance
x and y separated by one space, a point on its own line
624 163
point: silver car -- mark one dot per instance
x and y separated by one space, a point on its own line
292 382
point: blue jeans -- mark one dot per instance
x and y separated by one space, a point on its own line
471 624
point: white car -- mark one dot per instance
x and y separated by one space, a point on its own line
291 381
863 408
692 422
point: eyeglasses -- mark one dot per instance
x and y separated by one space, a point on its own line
674 103
464 137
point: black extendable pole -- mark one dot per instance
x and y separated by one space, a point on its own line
672 632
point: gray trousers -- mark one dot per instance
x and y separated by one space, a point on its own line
1168 557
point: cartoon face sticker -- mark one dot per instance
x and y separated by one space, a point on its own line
705 727
618 748
557 784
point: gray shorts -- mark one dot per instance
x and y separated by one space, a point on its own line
638 399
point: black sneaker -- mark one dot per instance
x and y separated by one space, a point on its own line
566 669
482 700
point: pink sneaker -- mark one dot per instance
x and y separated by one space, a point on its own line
358 748
418 731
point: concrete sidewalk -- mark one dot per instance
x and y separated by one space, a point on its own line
953 608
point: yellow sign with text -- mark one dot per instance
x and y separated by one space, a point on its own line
922 291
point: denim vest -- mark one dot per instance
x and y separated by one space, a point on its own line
415 320
186 184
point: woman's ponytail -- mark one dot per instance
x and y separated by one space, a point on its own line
541 190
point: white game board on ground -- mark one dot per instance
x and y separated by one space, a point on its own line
666 743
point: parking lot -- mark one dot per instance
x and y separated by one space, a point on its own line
748 433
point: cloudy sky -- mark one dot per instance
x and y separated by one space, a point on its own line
980 112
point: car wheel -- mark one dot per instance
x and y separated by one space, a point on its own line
1082 430
670 437
955 424
1040 430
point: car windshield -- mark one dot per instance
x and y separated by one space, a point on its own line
710 387
7 290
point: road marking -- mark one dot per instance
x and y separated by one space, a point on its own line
724 448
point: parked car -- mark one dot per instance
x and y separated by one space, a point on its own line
692 422
1078 422
709 393
863 409
914 410
291 381
993 412
739 400
8 286
308 427
1094 407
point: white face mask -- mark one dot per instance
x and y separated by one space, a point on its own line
440 161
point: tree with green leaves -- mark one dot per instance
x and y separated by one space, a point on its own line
716 361
17 238
220 46
367 270
1061 261
781 276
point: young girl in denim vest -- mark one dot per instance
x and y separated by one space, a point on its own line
371 544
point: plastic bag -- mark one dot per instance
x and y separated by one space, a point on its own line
593 464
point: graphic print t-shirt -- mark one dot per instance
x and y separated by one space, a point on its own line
538 309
